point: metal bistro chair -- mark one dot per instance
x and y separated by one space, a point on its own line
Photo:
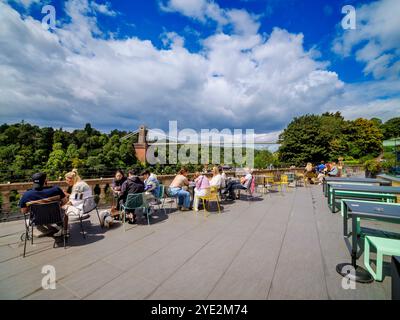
161 197
135 201
212 195
167 194
40 215
89 204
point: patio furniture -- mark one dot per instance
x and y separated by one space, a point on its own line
89 204
365 210
383 246
135 201
341 180
174 198
371 192
212 195
161 198
40 215
395 266
284 181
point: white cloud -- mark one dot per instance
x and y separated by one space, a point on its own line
202 10
104 8
74 75
26 3
376 40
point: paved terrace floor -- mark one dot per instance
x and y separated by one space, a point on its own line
281 247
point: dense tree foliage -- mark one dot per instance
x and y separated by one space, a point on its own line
312 138
25 148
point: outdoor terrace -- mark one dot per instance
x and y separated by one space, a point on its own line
282 246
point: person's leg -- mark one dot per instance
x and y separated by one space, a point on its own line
233 186
184 198
237 186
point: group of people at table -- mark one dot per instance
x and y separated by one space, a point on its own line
72 199
123 186
320 171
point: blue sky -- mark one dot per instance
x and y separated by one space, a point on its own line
223 64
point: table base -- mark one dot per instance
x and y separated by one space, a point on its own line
361 275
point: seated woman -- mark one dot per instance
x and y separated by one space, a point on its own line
116 186
201 189
176 190
244 184
79 192
309 173
217 180
118 181
151 186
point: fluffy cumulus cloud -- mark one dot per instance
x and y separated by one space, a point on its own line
376 40
241 79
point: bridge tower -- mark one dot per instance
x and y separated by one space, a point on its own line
141 146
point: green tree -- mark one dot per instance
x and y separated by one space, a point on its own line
391 128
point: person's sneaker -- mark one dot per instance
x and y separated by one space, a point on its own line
60 233
41 231
85 216
185 209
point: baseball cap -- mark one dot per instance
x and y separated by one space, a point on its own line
38 180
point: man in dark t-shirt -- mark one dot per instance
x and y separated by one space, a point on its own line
40 194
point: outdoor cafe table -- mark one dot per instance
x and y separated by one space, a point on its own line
357 188
352 180
364 210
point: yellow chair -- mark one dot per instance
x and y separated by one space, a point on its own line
212 195
283 182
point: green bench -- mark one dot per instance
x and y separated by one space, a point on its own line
383 246
360 195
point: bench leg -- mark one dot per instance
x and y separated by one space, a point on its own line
366 257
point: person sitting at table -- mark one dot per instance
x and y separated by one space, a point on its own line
42 194
243 184
309 173
176 190
223 177
132 185
217 180
151 186
320 171
118 181
116 186
201 189
334 171
80 191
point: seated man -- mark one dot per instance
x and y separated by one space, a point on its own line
131 186
41 194
176 190
244 184
334 171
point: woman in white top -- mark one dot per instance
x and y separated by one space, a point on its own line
216 180
74 207
80 192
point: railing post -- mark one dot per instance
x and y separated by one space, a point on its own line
6 205
102 192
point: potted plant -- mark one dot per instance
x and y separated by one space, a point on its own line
372 168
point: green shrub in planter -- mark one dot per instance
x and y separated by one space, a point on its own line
372 168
